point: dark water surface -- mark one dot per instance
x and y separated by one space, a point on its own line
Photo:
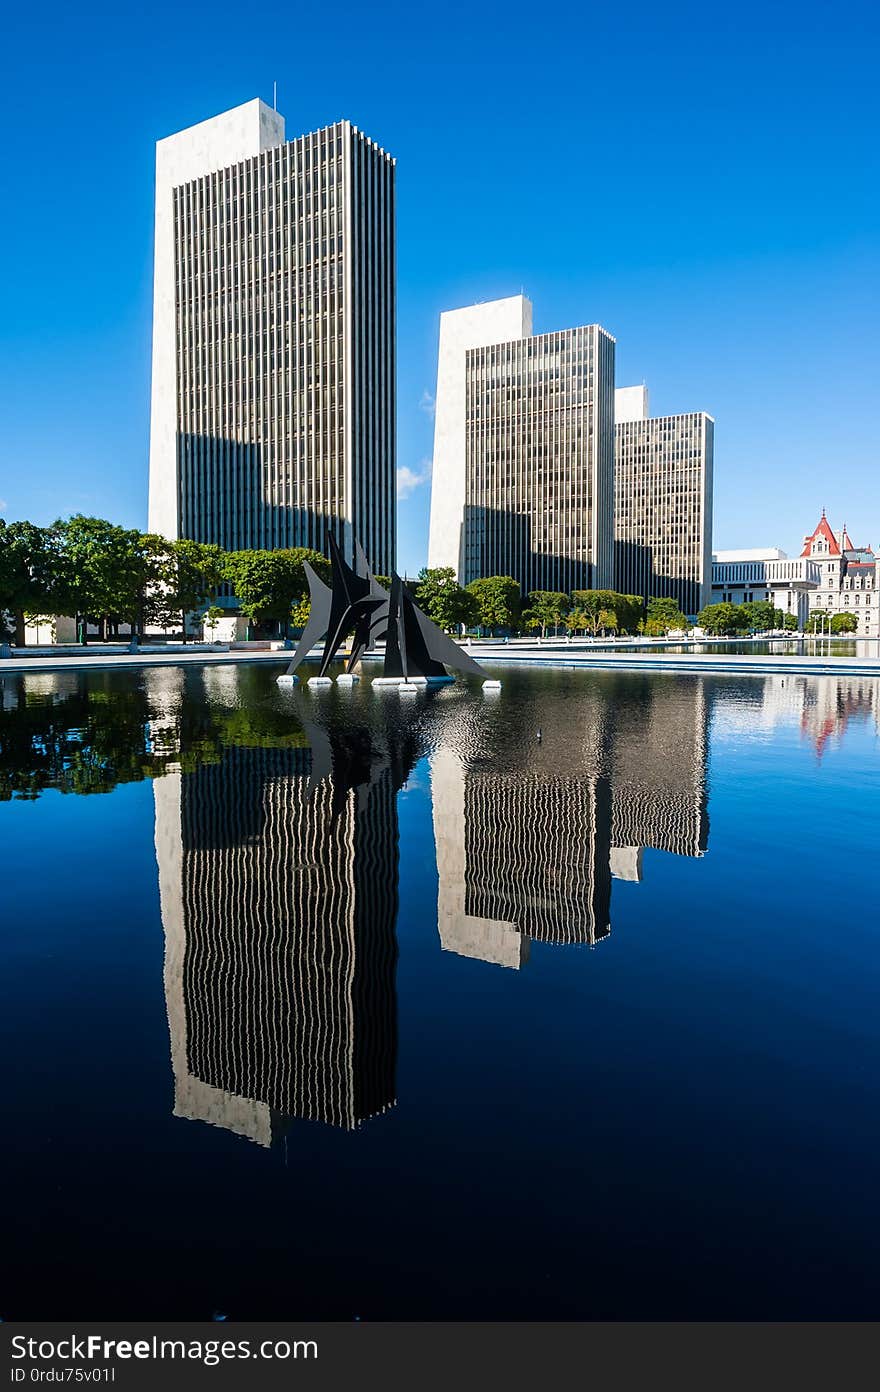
350 1004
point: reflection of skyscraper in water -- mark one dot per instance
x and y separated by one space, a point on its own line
279 902
658 772
530 833
537 854
522 844
461 929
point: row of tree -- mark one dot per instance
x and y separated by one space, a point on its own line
88 568
495 604
760 616
822 622
91 569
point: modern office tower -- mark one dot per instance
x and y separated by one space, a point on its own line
523 450
273 394
279 904
630 404
662 503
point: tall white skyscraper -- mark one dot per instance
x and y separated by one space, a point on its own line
523 450
662 502
273 395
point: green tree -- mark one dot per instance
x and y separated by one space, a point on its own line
546 609
722 618
789 623
440 596
664 615
299 614
104 571
844 623
497 601
210 619
759 615
577 621
191 574
630 611
818 622
28 572
592 603
267 584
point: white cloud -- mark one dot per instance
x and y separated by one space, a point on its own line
408 480
428 404
3 505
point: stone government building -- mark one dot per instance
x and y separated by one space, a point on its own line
831 576
848 577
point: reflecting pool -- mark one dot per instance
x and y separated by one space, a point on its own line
559 1002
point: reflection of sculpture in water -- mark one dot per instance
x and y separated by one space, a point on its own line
529 838
278 879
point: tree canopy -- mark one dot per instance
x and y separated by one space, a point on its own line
663 616
759 615
29 564
723 618
545 609
608 610
497 600
268 584
442 599
844 623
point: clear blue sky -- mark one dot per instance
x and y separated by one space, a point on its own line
701 180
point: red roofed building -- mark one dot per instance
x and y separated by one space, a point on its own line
822 542
849 578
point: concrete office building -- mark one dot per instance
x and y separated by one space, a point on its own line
741 577
273 392
523 450
662 502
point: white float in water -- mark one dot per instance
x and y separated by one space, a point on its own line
287 679
408 688
347 679
491 686
320 681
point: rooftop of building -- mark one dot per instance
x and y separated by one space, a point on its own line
755 553
824 533
838 544
631 407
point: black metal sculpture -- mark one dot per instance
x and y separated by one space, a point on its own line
356 603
